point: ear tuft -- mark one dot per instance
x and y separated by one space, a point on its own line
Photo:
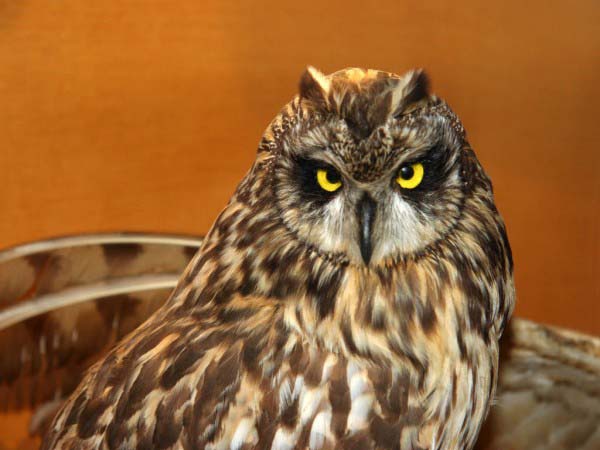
414 89
417 87
314 85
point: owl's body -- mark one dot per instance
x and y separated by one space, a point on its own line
334 303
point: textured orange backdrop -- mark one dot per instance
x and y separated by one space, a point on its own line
144 115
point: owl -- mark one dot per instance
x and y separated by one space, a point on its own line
350 295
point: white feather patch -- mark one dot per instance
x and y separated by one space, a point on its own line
284 440
362 398
361 408
309 402
320 430
245 433
359 384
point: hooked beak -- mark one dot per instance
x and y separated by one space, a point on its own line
366 215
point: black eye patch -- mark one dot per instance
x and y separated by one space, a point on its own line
305 172
435 172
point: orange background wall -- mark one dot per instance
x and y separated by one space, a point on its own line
143 115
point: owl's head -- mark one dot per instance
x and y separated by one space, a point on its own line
365 207
368 166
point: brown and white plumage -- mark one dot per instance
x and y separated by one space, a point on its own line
368 318
548 391
547 394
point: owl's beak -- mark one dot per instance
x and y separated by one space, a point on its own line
366 216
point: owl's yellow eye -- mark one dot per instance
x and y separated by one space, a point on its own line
328 180
410 176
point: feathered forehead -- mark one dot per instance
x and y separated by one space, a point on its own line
364 98
341 112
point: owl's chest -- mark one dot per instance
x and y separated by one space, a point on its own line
372 379
318 399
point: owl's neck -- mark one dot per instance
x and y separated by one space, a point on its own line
251 261
255 267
